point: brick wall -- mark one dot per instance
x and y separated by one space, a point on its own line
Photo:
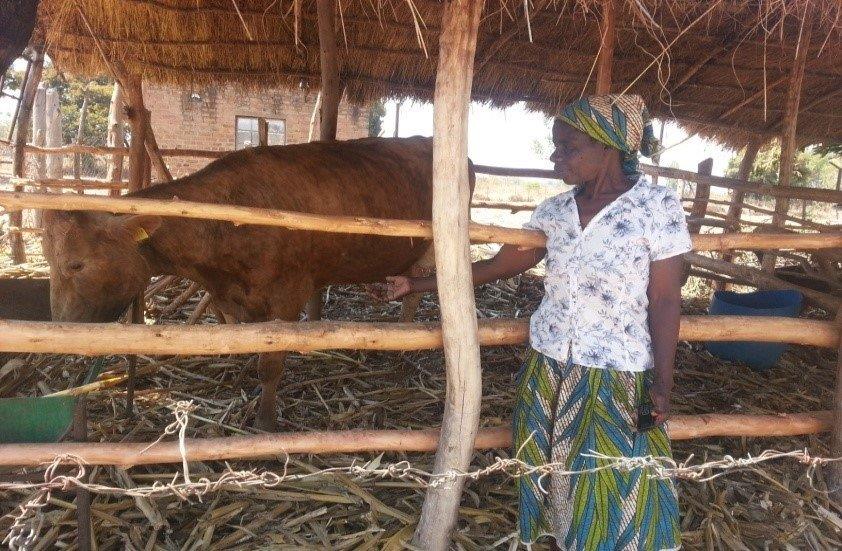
204 118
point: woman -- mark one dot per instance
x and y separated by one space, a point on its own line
603 339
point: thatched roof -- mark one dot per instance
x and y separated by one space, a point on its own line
719 66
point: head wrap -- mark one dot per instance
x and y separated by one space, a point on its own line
618 121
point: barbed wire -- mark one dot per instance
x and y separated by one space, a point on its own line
27 523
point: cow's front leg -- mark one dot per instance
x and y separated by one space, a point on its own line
270 366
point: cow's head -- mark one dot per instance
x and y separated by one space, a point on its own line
96 266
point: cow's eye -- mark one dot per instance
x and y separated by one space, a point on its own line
75 265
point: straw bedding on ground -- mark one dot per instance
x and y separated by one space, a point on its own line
772 506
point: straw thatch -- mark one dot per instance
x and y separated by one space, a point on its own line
719 66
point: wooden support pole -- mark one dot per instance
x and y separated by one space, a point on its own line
26 104
451 214
735 208
80 129
26 73
136 114
478 233
116 137
330 95
127 454
55 168
154 154
39 137
329 62
83 497
608 37
834 470
700 205
790 123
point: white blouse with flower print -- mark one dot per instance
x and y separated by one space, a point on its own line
595 306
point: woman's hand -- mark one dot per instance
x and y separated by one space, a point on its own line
395 287
660 404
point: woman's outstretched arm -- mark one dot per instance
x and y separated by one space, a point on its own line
509 261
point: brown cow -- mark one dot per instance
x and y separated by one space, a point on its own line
99 262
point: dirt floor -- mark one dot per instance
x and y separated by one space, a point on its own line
776 505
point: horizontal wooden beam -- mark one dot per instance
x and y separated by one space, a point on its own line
479 233
98 339
811 194
68 183
127 454
73 149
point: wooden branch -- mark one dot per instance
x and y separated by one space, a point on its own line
374 226
154 153
451 243
700 204
24 115
514 207
761 279
329 64
68 183
108 150
834 470
203 304
811 194
97 339
127 454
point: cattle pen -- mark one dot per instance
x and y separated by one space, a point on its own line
449 52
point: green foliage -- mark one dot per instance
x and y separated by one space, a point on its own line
811 168
375 118
72 92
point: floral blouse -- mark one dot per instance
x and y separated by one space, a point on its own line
595 305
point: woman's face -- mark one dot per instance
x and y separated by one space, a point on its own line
577 157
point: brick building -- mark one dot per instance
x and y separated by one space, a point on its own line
227 117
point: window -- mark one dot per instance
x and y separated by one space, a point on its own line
254 131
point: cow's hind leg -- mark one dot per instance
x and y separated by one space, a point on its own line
287 299
270 368
423 267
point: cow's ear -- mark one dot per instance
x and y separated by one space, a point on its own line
141 226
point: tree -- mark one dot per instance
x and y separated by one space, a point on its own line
375 118
72 91
811 168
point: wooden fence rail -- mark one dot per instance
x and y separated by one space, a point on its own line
97 339
127 454
373 226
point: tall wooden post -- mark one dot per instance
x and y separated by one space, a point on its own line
27 100
700 205
331 90
39 138
451 214
330 95
605 58
136 113
54 139
790 123
80 131
735 209
116 136
833 471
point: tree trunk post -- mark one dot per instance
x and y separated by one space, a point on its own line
833 471
80 130
328 104
790 123
605 58
451 212
27 100
55 163
116 137
735 209
39 138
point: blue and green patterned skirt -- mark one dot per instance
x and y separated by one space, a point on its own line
565 411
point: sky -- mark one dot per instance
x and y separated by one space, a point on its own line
506 137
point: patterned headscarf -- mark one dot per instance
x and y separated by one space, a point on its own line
618 121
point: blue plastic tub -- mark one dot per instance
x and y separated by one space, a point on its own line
758 355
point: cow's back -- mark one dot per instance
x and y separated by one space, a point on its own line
371 177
